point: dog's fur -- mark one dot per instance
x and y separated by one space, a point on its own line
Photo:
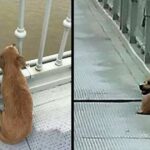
145 89
16 118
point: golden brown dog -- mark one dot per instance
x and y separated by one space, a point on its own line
16 118
145 89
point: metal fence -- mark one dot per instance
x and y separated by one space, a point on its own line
134 19
110 3
20 33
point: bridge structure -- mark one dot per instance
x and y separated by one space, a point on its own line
111 59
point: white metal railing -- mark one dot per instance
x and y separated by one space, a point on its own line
110 2
44 34
140 32
67 26
134 20
20 33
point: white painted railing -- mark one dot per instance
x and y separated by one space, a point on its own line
20 33
134 20
44 34
67 26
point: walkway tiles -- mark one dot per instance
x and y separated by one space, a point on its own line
111 126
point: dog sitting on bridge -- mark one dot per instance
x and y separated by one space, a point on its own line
145 89
16 118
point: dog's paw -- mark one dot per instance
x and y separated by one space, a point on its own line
143 113
139 112
33 113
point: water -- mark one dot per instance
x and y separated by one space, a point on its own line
34 13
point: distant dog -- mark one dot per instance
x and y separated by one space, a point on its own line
145 89
16 118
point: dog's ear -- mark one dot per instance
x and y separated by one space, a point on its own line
21 61
2 61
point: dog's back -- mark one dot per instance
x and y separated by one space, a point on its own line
16 119
17 116
145 107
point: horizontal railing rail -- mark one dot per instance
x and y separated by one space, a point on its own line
21 33
134 20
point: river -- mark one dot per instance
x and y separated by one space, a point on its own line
34 12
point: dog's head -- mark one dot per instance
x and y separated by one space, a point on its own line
145 87
10 55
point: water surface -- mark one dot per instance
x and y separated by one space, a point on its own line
33 25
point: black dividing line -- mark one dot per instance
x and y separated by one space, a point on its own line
28 143
109 100
123 137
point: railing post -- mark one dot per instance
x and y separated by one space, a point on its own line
105 4
124 15
44 35
133 20
147 32
115 9
67 26
20 32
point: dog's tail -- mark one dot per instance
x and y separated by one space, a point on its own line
5 140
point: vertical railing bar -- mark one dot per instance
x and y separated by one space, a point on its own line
147 32
44 35
133 20
21 14
124 15
105 4
67 26
20 32
115 9
121 5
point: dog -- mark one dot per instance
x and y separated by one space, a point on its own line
145 90
16 118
